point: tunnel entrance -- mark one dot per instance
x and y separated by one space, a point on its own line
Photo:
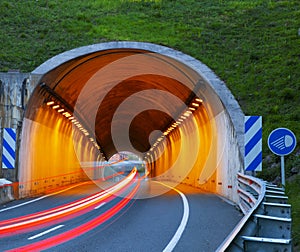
164 106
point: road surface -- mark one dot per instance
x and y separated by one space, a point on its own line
184 219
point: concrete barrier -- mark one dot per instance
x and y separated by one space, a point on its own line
6 191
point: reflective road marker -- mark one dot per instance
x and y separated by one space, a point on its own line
253 143
9 148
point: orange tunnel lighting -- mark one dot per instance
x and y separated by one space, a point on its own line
50 103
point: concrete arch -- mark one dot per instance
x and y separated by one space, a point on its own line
164 83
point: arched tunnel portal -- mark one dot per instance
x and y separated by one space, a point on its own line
166 107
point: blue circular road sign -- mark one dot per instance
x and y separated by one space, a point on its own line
282 141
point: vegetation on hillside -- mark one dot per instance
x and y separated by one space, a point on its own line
254 46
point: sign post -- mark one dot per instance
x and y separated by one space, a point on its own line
282 142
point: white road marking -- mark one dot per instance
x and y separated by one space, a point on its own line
45 232
184 220
42 197
102 204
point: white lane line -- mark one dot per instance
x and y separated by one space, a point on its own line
22 204
102 204
184 220
42 197
45 232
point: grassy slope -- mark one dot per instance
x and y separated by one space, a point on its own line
253 46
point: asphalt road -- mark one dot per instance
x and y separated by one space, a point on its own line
141 225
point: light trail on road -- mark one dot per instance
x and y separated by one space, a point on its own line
65 212
82 229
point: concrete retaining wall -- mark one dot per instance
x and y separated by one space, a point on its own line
15 90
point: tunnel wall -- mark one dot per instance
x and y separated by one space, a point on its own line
54 150
15 91
205 147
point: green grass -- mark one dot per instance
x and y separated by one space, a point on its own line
254 46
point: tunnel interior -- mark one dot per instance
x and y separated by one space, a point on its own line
95 105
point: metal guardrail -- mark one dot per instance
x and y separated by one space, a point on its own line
266 225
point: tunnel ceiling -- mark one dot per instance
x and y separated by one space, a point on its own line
114 76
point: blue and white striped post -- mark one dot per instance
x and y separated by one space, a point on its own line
9 148
253 143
